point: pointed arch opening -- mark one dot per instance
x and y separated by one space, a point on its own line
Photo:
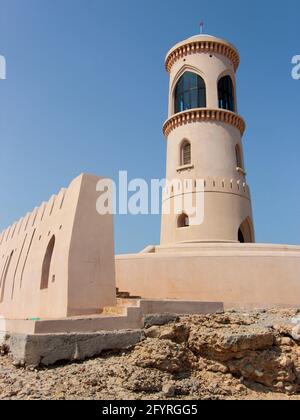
226 94
246 232
190 92
241 237
183 221
185 153
47 264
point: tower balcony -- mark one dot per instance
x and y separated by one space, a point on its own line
203 115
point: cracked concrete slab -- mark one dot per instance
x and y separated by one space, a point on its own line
47 349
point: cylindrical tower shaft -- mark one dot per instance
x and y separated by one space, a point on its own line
204 145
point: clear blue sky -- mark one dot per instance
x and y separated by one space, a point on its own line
86 86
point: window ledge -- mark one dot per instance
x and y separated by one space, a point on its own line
185 168
241 170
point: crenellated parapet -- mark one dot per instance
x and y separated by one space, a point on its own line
35 219
58 260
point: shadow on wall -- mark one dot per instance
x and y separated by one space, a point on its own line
47 265
4 275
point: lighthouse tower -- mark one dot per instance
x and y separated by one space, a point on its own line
204 145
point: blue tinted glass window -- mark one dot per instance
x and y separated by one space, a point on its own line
226 94
190 92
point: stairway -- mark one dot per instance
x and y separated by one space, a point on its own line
125 295
128 314
123 304
134 308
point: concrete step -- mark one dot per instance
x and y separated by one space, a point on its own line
114 310
132 303
114 315
123 295
47 349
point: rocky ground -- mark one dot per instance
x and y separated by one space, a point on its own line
225 356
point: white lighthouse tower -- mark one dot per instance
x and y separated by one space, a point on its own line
204 142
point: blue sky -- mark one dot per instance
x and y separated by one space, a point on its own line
86 91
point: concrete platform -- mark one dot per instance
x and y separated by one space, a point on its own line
47 341
130 319
47 349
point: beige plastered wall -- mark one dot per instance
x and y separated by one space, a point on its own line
239 275
82 273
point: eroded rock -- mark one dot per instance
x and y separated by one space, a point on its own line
234 355
163 355
296 333
229 343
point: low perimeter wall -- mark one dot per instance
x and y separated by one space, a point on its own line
58 261
239 275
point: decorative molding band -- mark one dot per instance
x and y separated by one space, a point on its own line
204 114
194 47
211 185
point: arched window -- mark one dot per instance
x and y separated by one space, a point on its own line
183 221
190 92
47 264
226 94
238 154
185 153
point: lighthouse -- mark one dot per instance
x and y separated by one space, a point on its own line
214 259
204 146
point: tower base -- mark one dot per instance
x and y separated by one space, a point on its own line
243 276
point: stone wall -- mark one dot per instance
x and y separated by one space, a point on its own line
58 260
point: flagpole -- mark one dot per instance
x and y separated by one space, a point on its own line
201 27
